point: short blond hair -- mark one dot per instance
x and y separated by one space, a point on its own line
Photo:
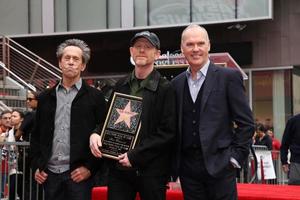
194 26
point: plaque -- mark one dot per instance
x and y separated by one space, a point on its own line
122 125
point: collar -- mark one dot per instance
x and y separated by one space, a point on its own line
202 71
151 82
77 85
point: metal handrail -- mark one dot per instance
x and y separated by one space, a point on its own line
57 76
3 106
33 54
17 77
30 68
29 52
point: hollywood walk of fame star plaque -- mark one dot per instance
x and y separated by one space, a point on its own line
121 128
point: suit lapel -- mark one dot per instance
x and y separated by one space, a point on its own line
208 85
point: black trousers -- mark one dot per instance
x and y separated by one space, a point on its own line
125 184
198 184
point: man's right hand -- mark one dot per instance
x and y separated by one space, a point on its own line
286 168
40 176
95 144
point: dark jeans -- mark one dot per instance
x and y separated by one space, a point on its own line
124 185
62 187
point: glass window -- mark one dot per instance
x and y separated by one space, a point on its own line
140 13
77 15
168 12
60 16
35 16
272 100
14 17
212 10
86 15
114 13
253 9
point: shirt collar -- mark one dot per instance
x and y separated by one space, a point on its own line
148 82
77 85
202 71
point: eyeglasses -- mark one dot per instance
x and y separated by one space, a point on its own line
30 99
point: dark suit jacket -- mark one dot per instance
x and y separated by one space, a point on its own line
152 154
226 125
87 111
291 140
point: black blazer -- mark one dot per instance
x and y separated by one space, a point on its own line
226 124
88 109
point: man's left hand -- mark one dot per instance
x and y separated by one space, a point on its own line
124 161
80 174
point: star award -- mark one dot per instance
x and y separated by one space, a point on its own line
122 125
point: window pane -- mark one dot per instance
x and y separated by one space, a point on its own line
272 100
253 8
86 15
140 13
212 10
168 12
114 13
13 17
35 16
60 16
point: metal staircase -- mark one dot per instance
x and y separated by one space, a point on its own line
22 70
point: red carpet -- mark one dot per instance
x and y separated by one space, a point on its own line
268 192
245 192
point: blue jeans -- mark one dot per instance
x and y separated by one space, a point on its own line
62 187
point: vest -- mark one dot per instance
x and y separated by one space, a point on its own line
191 119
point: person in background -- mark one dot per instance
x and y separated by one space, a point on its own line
275 142
5 121
261 137
15 157
215 122
4 128
27 125
66 115
291 142
146 168
24 134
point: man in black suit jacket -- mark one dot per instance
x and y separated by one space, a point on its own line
215 122
291 142
65 117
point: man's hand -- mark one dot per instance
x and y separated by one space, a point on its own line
95 143
40 176
286 168
80 174
124 161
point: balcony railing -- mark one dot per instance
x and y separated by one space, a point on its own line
25 67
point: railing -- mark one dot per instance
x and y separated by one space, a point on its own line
31 69
3 106
17 180
263 166
16 177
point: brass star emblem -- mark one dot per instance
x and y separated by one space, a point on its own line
125 115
